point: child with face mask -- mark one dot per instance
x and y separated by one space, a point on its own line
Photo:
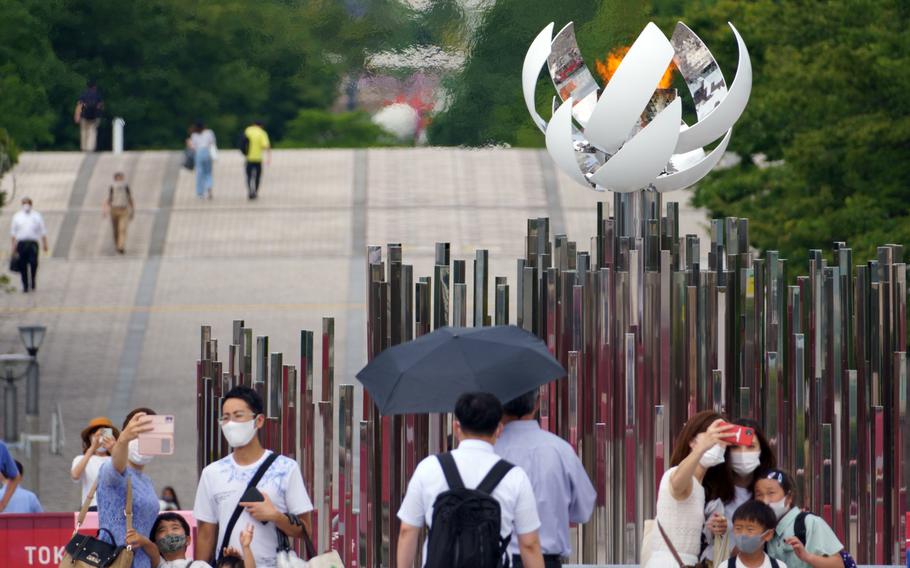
753 526
171 534
800 539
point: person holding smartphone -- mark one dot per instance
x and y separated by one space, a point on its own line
278 501
97 440
127 463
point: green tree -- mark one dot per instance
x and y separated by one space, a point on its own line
30 75
828 104
315 128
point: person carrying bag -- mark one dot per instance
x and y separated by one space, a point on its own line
83 551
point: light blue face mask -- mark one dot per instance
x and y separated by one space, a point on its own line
749 544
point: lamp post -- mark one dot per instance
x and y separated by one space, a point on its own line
15 366
32 336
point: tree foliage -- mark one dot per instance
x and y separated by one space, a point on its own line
828 103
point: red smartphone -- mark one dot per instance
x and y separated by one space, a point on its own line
741 436
160 440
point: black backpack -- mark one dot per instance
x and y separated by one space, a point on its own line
466 522
799 531
91 103
243 143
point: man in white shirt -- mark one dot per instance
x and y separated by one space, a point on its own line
285 505
477 425
26 230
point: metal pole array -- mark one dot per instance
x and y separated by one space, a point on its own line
650 333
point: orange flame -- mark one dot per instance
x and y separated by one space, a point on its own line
606 68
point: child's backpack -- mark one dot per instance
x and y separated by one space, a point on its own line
799 531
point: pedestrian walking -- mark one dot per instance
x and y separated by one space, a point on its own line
801 539
98 440
257 144
88 114
27 229
120 205
202 142
123 486
561 486
22 501
500 495
681 496
249 469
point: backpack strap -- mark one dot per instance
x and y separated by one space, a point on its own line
799 526
731 562
238 509
453 478
494 476
773 560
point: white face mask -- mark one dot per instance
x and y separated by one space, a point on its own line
714 456
134 455
239 434
27 207
780 508
745 463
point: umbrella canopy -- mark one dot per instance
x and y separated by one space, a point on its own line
431 372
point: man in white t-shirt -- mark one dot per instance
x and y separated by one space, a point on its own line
478 419
285 505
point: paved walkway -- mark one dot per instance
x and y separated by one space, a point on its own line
123 330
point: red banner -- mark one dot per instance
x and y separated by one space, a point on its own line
40 539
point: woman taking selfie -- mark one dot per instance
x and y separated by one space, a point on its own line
681 497
126 465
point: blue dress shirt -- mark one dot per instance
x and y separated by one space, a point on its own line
561 486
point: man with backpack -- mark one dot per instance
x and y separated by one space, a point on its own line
471 500
87 115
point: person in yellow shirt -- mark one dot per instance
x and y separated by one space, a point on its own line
257 144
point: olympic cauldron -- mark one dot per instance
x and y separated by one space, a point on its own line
649 330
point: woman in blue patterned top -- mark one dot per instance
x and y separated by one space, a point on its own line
126 462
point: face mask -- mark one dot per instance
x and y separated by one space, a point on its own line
134 455
745 463
713 457
171 543
239 434
749 544
27 207
779 507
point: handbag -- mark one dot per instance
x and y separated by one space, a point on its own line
15 263
330 559
189 159
83 551
674 552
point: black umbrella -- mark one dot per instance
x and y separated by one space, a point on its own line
431 372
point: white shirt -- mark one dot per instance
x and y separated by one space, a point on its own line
223 482
27 226
89 474
681 520
474 459
765 564
204 139
183 563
